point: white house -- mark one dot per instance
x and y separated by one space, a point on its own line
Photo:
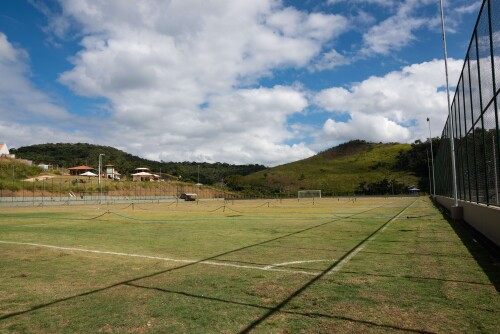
112 173
142 176
4 150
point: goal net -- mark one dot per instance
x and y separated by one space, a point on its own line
309 193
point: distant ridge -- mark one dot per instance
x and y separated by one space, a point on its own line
355 166
349 148
70 155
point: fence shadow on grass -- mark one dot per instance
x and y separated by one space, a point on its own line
267 308
40 306
484 253
422 278
299 291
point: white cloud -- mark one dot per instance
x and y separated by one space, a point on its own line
21 134
396 31
330 60
375 128
20 100
384 3
390 108
469 8
175 71
243 126
27 115
180 78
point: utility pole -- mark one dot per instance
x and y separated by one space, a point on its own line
100 173
429 168
432 160
456 212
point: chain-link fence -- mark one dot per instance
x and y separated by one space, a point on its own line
83 191
474 118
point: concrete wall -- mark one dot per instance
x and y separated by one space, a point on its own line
485 219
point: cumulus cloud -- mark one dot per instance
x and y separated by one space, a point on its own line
181 79
330 60
20 100
398 23
21 134
384 3
396 31
175 74
375 128
469 8
390 108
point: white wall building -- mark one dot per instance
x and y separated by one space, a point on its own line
4 149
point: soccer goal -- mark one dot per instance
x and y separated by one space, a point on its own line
309 193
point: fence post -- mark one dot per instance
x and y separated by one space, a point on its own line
493 75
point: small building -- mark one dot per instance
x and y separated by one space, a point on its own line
142 177
79 170
112 173
4 151
412 190
43 166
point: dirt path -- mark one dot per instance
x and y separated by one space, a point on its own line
39 178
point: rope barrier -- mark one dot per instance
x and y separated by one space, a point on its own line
58 218
259 206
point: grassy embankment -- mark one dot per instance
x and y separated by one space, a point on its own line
339 170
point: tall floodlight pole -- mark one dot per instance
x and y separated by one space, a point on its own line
429 168
100 172
432 161
450 118
495 167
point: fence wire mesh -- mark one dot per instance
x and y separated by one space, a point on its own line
474 118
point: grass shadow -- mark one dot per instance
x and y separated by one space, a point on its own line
484 252
330 268
125 282
268 308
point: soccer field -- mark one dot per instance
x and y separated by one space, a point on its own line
373 265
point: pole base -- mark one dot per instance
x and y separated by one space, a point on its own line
457 212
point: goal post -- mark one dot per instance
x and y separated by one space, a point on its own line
309 194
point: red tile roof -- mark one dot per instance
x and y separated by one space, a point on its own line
80 168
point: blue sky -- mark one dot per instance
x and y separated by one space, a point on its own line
261 81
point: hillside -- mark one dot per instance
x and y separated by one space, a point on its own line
354 166
70 155
11 170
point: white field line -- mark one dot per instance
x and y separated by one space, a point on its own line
212 263
294 262
342 263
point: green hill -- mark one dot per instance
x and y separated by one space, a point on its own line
356 166
12 170
70 155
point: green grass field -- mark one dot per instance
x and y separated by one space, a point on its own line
373 265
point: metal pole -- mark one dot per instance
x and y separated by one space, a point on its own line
43 190
429 168
495 167
100 184
450 118
13 182
432 161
